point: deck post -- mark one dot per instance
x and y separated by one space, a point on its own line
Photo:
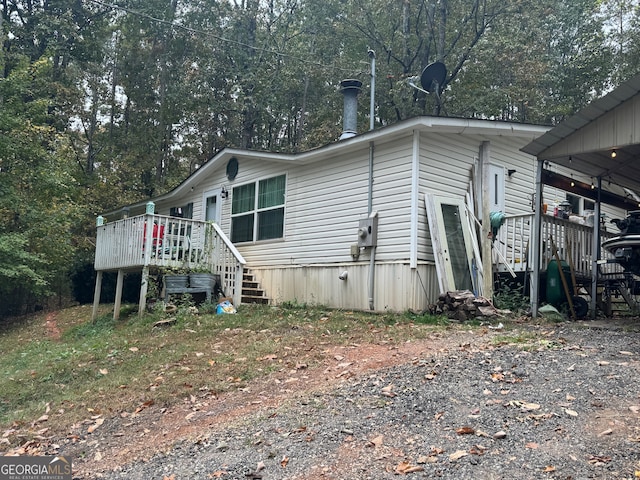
118 300
144 287
237 292
96 295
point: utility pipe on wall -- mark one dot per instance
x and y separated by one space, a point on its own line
372 260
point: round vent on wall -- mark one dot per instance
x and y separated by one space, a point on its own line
232 168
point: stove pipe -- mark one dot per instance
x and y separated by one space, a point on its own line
350 89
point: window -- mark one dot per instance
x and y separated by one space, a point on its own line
185 211
257 210
579 204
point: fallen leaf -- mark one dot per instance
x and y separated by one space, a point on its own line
458 455
603 362
146 404
525 406
624 352
599 459
217 474
98 422
43 418
549 468
133 349
568 411
406 467
284 462
477 450
608 431
465 431
377 442
388 391
570 398
635 408
104 371
268 357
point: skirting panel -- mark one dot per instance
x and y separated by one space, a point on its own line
397 287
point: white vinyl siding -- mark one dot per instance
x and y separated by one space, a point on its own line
326 200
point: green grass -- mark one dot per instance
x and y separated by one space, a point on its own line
108 367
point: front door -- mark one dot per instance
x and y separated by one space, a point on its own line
212 206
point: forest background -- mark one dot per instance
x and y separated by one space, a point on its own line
103 103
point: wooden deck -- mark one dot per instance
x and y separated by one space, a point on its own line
158 242
573 241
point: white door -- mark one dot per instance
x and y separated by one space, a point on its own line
452 243
212 207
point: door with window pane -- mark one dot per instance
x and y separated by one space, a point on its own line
450 231
212 206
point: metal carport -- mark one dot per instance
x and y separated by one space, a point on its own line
601 141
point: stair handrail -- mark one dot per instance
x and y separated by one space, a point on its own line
232 284
238 256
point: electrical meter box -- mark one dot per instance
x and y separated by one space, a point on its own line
368 231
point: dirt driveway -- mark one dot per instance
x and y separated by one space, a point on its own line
531 401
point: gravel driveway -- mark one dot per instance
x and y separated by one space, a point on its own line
532 401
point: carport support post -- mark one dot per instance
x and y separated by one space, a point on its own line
96 295
536 245
118 299
596 253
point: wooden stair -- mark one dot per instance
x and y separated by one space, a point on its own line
251 291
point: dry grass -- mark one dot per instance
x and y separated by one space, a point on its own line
66 367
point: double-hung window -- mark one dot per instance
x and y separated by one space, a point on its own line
257 210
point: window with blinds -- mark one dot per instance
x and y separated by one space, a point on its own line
257 210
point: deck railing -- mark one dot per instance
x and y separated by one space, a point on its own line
574 242
169 243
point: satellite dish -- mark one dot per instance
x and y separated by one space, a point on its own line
433 77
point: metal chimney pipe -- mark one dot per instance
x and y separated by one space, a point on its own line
350 89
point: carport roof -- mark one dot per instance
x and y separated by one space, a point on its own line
585 141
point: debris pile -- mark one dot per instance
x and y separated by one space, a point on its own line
463 305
